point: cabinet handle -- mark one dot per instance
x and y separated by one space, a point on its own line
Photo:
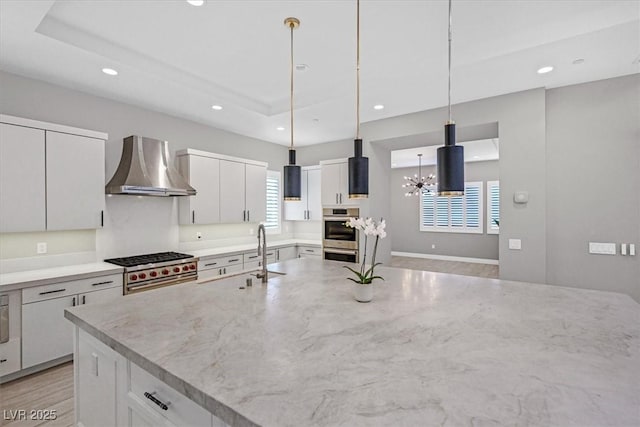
73 303
253 256
52 292
101 218
3 360
340 198
84 299
234 260
244 216
210 264
278 255
248 216
336 198
220 272
102 283
225 270
193 217
157 401
308 250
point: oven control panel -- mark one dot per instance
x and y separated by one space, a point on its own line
162 272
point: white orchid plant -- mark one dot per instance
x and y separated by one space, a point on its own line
369 228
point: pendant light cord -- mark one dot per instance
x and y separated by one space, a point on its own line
358 69
291 26
450 61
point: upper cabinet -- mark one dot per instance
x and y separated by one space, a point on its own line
310 206
51 176
229 189
335 183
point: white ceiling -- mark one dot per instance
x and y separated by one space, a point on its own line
180 59
474 151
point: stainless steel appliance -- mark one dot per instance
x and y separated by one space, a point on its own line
339 242
146 170
144 272
4 318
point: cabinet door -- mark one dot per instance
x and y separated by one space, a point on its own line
98 297
289 252
22 179
96 386
314 203
46 334
296 210
256 192
331 184
203 174
232 186
75 181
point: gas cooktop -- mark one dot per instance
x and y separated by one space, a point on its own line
132 261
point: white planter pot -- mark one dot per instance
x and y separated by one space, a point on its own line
363 293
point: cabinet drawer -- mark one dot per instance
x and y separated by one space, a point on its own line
60 289
253 256
179 409
10 356
309 250
219 262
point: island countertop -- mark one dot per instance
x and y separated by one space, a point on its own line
430 349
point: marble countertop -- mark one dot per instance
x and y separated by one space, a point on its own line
249 246
25 279
430 349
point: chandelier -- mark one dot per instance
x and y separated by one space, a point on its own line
418 183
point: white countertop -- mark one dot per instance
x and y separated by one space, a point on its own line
249 246
430 349
25 279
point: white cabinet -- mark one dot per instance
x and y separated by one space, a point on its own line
286 253
214 266
309 252
51 176
256 192
243 192
335 184
203 174
309 207
75 181
95 369
46 334
22 179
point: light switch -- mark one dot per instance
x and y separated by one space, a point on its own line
632 249
602 248
515 244
521 197
41 248
623 248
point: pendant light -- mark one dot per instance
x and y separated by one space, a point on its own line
358 165
292 172
450 156
418 183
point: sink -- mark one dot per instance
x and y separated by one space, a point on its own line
241 273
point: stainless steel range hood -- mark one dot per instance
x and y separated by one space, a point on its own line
145 170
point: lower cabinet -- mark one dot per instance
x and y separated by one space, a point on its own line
214 266
286 253
10 332
113 391
46 334
309 252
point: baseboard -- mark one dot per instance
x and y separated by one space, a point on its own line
447 258
33 369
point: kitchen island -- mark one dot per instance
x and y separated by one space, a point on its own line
430 349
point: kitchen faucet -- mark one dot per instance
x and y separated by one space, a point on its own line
263 251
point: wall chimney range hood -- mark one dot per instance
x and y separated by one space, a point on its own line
145 170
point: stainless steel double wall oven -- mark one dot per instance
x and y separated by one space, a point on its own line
339 242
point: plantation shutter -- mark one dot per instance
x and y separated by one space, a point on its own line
493 207
461 214
273 200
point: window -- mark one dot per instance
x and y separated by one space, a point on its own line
462 214
493 207
272 221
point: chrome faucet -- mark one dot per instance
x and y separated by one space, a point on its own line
262 250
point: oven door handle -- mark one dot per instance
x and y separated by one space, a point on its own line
341 251
336 218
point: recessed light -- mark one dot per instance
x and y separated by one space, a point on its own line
217 107
279 128
316 120
195 2
578 61
545 70
302 67
110 71
378 107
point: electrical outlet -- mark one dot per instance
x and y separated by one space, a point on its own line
602 248
198 235
433 246
515 244
41 248
251 232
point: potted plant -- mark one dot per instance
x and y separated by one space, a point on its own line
363 289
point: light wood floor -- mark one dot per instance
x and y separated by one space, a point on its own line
453 267
51 389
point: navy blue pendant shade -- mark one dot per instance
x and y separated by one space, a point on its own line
358 173
292 178
450 169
